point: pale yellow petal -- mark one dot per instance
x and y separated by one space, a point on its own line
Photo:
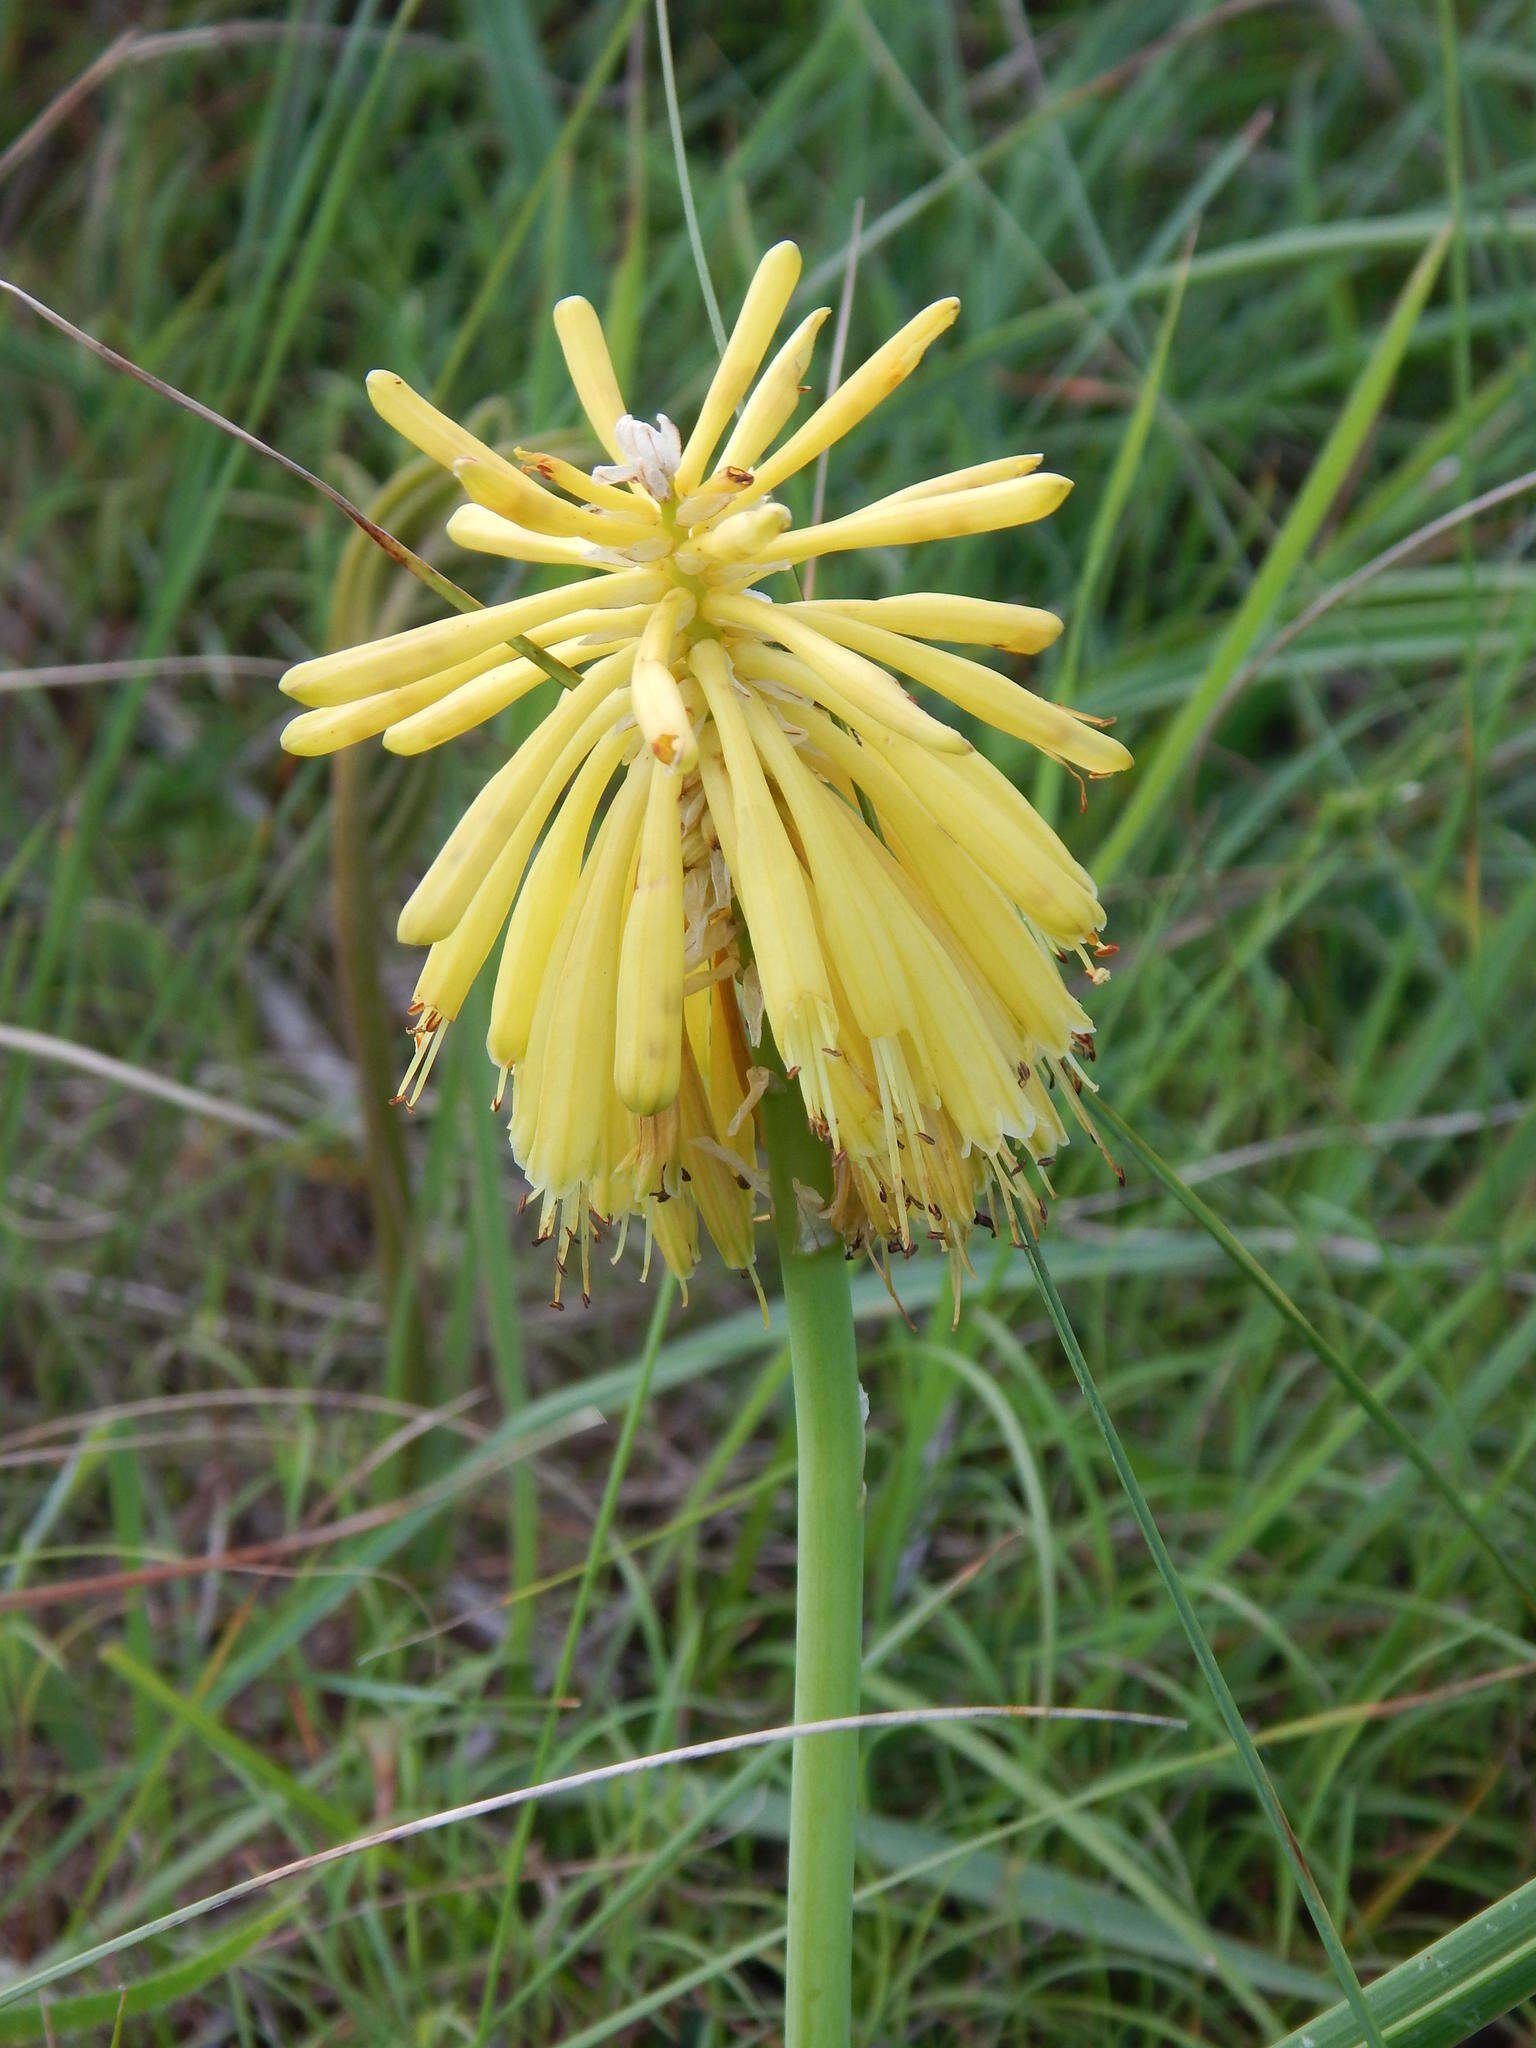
666 618
482 697
777 394
859 681
769 293
828 830
586 355
752 532
420 422
339 725
722 1196
543 903
439 900
422 650
873 381
769 882
1000 470
485 532
982 813
518 498
903 522
1024 976
648 1049
454 962
662 716
936 615
581 485
1008 840
995 698
575 1058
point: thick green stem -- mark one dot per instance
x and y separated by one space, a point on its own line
829 1428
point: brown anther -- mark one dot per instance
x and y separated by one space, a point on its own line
739 476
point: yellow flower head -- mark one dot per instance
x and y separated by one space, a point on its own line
741 817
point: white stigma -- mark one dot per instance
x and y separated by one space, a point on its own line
651 455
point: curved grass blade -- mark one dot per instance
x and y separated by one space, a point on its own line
15 1991
441 586
1337 1364
1324 481
1449 1991
1205 1656
151 1993
1106 522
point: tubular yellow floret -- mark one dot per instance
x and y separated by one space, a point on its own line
648 1053
576 1054
766 873
769 293
454 962
996 699
1010 843
746 533
775 398
527 504
935 615
442 895
422 650
420 422
662 716
473 702
485 532
903 522
874 380
1000 470
860 684
658 703
585 349
869 969
541 905
340 725
581 485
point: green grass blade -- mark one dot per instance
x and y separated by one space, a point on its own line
511 247
1328 474
1448 1991
151 1993
1106 520
1336 1363
1205 1656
